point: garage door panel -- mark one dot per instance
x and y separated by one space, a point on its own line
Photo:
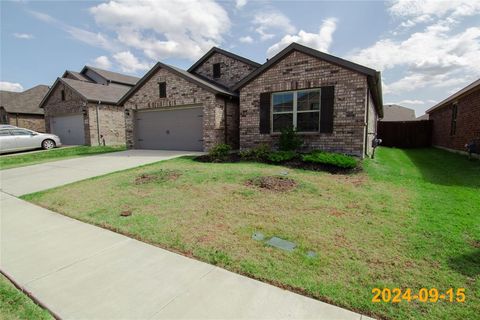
175 129
70 129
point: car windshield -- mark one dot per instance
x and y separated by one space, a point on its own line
20 132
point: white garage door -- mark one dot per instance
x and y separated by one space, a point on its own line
174 129
70 129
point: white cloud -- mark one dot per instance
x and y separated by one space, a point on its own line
319 41
268 22
129 63
11 86
240 3
91 38
25 36
424 10
162 29
407 102
102 62
432 57
246 39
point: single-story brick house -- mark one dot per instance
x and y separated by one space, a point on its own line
21 108
82 107
456 120
223 98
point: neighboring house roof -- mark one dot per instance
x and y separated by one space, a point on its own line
393 112
92 92
77 75
25 102
472 86
423 117
182 73
373 76
225 53
113 76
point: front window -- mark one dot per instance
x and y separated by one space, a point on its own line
297 109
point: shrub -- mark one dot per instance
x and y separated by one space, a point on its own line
281 156
220 152
334 159
289 140
258 153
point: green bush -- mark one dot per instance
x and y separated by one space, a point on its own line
289 140
281 156
220 151
258 153
335 159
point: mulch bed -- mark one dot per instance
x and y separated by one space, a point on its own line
294 164
273 183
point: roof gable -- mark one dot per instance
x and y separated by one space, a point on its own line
183 74
373 76
89 91
214 50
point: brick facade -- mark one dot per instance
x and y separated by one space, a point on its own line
468 122
35 122
301 71
111 124
231 70
181 93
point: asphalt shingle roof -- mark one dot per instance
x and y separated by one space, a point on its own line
97 92
115 76
26 102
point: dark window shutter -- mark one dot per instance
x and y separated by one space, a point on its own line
265 112
162 89
216 70
326 109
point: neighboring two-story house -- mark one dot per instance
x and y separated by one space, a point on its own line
82 107
334 104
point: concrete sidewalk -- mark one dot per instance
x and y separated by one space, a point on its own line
80 271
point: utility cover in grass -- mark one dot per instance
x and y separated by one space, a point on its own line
281 244
258 236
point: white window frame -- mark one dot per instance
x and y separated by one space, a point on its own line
295 110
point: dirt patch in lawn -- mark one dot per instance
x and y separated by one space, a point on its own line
126 213
273 183
158 176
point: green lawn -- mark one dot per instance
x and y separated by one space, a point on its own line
410 220
16 305
20 160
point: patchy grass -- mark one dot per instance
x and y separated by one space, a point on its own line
16 305
20 160
410 220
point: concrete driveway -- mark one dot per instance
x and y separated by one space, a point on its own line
24 180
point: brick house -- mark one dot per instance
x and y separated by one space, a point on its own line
225 98
456 120
21 108
82 107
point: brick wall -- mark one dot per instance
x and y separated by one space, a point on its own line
111 124
468 122
27 121
308 72
232 70
112 119
180 92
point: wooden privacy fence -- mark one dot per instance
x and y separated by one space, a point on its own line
405 134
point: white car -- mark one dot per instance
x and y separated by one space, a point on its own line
18 139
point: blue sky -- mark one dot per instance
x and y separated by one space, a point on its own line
425 49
